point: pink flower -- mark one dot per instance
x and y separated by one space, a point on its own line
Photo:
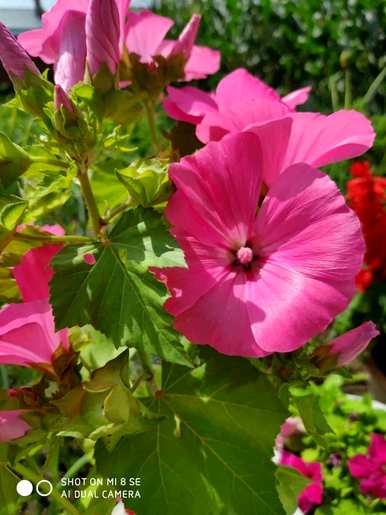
370 469
312 495
257 280
34 272
27 334
12 426
242 102
291 427
349 345
102 36
61 41
13 56
146 33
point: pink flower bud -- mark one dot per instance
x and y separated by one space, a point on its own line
102 36
185 42
349 345
62 99
12 426
13 56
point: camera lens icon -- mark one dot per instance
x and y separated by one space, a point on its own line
43 488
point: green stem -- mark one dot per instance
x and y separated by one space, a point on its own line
89 198
35 478
69 239
334 92
374 86
149 107
4 378
110 214
48 161
78 465
347 89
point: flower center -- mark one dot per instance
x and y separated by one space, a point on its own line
244 255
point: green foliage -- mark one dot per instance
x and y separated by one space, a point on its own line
83 293
14 161
212 445
289 485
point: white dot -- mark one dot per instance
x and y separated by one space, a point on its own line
24 488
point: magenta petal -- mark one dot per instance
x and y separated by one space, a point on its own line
27 333
203 61
71 55
102 36
360 466
185 42
349 345
45 42
377 449
146 32
188 104
13 56
319 140
123 10
297 97
240 86
311 249
12 426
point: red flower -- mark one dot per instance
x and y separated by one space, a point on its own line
367 196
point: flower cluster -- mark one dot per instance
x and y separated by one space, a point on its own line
370 469
366 194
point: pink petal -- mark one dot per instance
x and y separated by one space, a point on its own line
34 272
188 104
349 345
12 426
45 42
185 42
123 10
311 248
203 61
102 36
319 140
13 56
297 97
222 204
360 466
61 99
146 31
377 449
27 333
71 54
240 86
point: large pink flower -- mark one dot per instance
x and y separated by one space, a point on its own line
312 495
370 469
258 280
12 426
242 102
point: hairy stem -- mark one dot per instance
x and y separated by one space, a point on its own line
149 107
89 198
74 239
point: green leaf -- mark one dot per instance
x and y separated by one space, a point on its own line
311 413
12 209
211 451
289 485
117 295
14 161
345 507
8 493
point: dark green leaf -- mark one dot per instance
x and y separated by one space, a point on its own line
289 485
212 450
14 161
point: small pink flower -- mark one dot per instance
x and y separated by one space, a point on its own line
242 102
312 495
370 469
349 345
146 33
13 56
257 280
102 36
27 334
292 426
34 272
12 426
